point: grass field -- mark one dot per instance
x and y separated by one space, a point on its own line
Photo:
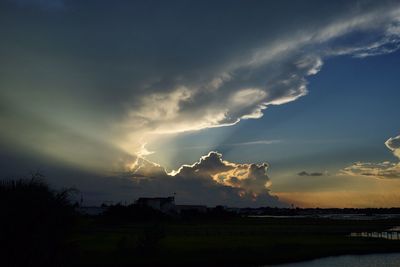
229 242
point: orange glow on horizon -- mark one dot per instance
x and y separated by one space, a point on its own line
341 199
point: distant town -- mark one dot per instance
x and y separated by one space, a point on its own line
167 206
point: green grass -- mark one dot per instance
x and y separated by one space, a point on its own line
234 242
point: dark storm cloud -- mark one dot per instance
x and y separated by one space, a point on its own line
44 4
304 173
206 63
202 56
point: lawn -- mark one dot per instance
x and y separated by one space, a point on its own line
233 241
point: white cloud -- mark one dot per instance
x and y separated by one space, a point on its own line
272 74
257 142
383 170
394 145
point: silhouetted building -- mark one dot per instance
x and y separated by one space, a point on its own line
164 204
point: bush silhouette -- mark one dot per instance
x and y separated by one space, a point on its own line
34 223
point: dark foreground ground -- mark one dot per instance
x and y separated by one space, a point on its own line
41 227
223 242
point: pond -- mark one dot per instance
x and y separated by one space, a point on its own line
371 260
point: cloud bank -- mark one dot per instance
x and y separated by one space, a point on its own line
270 71
383 170
90 85
178 68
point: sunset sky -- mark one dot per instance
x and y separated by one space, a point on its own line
239 103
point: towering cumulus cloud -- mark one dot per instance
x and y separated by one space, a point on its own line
384 170
251 179
210 180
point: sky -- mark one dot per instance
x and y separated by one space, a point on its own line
239 103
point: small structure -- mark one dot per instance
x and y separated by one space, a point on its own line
163 204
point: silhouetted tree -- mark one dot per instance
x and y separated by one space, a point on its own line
35 221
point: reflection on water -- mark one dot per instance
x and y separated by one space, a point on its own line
395 229
386 235
335 216
392 233
373 260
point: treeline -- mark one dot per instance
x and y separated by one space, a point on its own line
35 223
137 213
120 213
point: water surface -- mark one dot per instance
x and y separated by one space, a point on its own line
372 260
